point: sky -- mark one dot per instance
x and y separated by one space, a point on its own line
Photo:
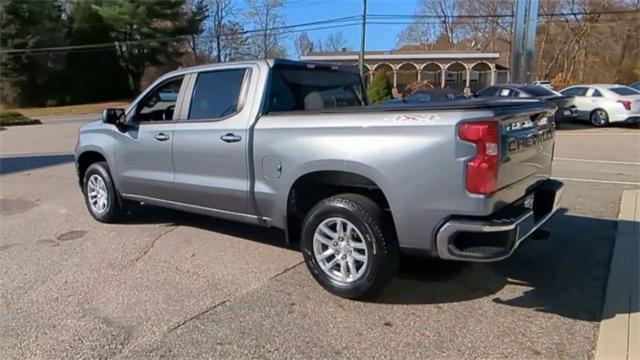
378 37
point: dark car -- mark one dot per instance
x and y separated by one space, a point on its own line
430 96
635 85
567 110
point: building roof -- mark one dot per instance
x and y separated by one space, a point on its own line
400 55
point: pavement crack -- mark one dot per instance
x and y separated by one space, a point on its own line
286 270
194 317
151 245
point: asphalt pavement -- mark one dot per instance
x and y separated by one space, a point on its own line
176 285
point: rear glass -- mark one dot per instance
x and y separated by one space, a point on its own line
538 91
624 91
297 88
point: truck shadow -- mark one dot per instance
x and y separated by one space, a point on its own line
564 275
18 163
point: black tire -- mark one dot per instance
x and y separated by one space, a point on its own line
382 247
114 210
599 118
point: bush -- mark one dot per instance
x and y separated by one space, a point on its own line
380 89
9 118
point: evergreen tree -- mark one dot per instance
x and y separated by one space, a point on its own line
147 33
28 78
380 89
93 75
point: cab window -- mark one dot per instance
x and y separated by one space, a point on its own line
216 94
160 103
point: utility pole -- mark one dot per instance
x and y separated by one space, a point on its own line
362 38
524 41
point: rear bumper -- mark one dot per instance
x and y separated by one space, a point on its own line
627 117
496 237
569 113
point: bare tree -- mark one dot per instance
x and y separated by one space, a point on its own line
234 43
264 16
335 42
418 34
220 13
303 44
195 24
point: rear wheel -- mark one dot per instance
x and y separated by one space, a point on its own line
100 194
599 117
348 247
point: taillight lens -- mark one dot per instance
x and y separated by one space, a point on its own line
482 170
626 104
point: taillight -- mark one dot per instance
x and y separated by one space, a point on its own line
626 104
482 170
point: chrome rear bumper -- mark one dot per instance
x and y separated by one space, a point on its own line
497 237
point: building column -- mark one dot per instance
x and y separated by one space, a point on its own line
443 78
467 83
419 74
493 76
395 79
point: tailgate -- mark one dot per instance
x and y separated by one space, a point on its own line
526 145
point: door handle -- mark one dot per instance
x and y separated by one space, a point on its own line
230 138
161 137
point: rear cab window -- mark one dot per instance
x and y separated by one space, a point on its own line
311 87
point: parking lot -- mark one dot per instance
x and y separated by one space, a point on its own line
181 285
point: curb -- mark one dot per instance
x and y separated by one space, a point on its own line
619 336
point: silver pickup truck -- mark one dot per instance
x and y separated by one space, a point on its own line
296 146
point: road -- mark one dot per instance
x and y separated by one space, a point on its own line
185 286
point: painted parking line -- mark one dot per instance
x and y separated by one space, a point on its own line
599 161
599 134
599 181
620 324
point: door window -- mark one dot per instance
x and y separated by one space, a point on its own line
504 92
488 92
216 94
576 91
596 93
160 103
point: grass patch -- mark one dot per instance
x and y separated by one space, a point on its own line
81 109
10 118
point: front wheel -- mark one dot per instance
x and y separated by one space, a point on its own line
599 118
348 246
100 194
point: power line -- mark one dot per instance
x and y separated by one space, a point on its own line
509 15
383 19
209 37
181 37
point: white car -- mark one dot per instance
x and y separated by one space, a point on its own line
543 83
602 104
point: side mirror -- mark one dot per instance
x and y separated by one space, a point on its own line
114 116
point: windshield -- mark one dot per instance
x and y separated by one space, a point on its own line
623 90
296 88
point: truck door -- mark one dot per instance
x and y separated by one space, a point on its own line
210 145
143 151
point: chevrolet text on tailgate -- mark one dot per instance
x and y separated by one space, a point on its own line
295 146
